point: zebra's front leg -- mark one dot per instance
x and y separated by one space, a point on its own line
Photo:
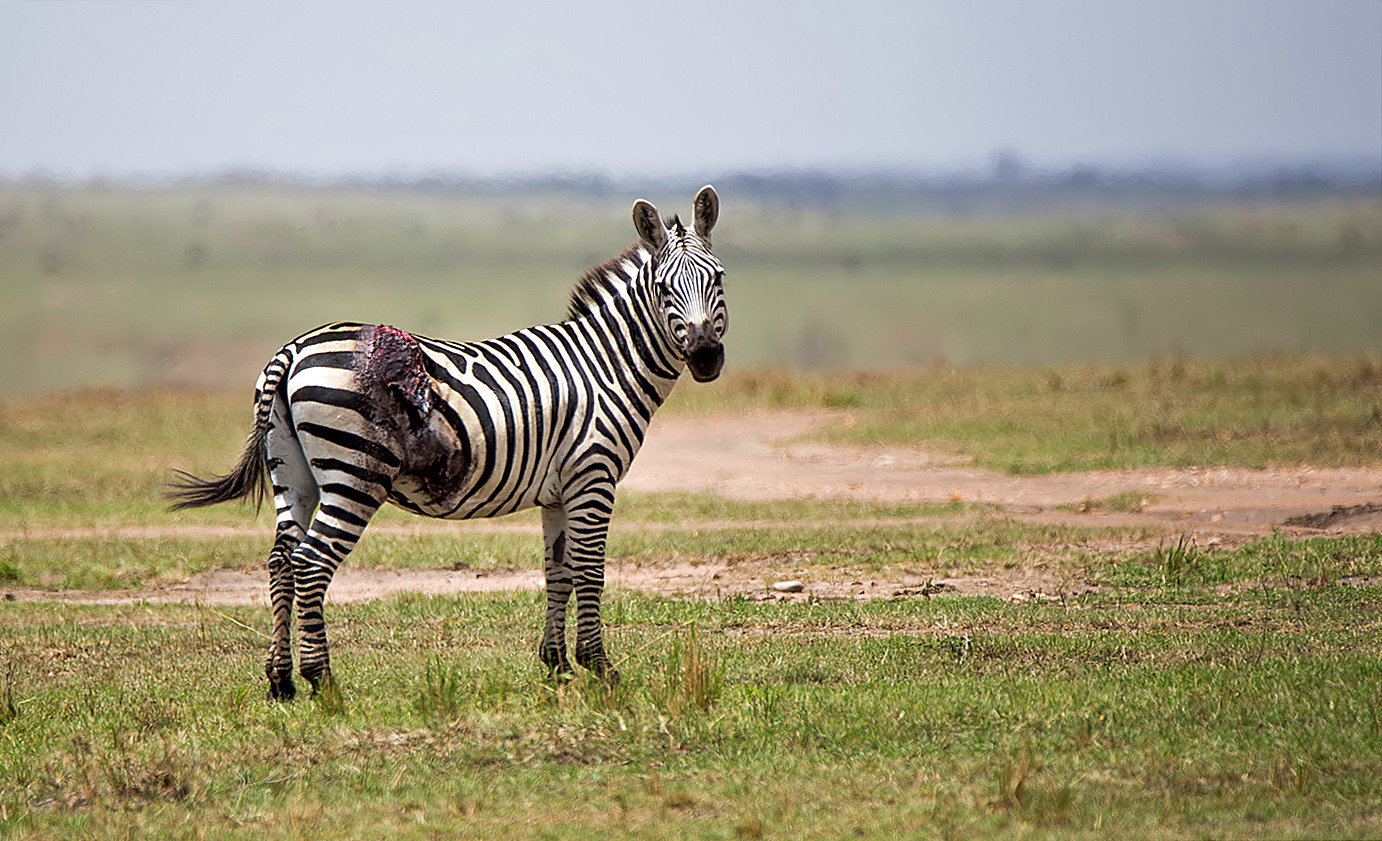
557 572
588 527
590 647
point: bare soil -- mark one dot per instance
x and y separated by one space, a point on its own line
758 456
755 456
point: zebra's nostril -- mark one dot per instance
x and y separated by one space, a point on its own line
705 359
706 354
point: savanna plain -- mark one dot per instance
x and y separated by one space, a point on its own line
1062 599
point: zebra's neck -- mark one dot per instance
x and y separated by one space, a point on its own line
618 299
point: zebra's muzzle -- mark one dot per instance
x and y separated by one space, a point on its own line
705 354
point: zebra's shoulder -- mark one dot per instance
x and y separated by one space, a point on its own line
606 281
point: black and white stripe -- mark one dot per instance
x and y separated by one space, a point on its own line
350 416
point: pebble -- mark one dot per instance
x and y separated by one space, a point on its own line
789 586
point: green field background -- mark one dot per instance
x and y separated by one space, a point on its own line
1166 687
196 285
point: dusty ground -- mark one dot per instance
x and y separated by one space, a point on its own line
752 456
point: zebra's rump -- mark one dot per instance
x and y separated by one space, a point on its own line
362 402
394 359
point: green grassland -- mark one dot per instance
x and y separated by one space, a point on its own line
1255 411
197 285
1173 690
1156 715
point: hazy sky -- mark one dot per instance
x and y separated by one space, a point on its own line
687 88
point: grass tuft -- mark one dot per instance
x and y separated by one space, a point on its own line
439 697
130 773
1178 560
1012 780
329 698
692 679
9 711
1126 502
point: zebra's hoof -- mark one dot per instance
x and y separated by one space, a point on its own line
282 690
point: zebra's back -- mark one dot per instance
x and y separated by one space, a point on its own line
467 429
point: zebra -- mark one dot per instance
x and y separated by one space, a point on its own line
350 416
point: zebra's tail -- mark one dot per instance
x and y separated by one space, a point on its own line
250 478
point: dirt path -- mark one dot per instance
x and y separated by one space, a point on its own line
752 456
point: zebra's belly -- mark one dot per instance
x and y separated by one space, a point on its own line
418 495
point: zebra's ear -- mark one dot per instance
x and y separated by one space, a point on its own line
707 210
648 222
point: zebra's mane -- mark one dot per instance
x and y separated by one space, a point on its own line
605 281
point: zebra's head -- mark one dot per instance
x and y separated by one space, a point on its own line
690 282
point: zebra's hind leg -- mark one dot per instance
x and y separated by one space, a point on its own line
343 515
278 665
552 649
295 499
